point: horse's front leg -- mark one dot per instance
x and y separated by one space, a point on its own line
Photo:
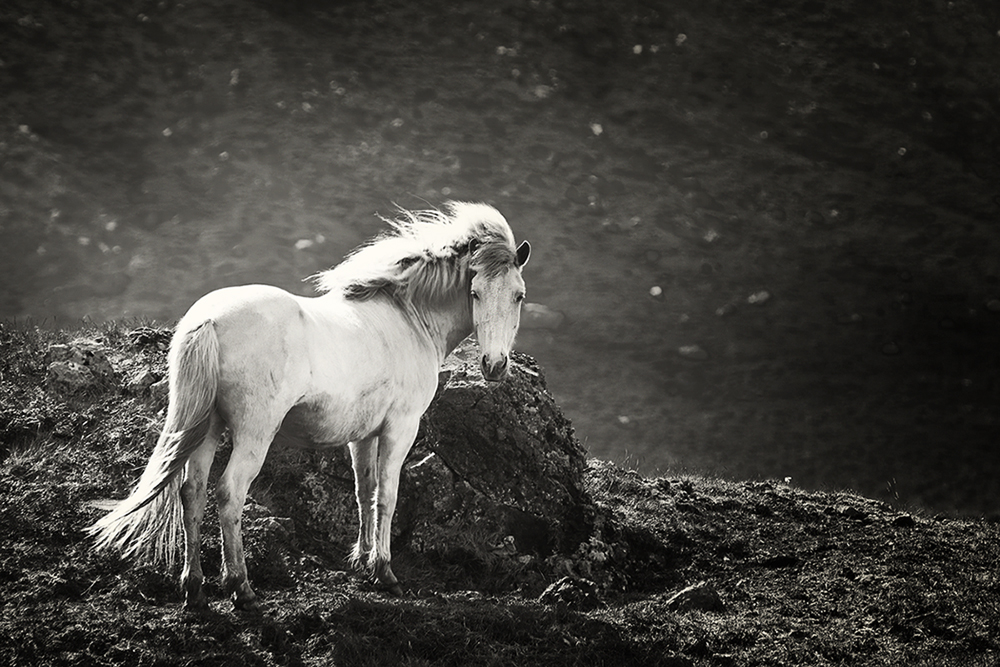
364 458
393 446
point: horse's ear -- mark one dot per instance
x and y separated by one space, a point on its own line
523 252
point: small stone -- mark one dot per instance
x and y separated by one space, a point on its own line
655 290
575 592
160 390
141 381
69 377
759 298
699 597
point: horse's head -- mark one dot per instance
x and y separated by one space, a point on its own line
497 291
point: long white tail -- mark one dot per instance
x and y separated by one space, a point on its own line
147 525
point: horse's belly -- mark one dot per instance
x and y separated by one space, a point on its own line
319 424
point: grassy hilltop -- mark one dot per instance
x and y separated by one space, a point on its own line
789 577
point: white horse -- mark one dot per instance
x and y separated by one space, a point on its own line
357 365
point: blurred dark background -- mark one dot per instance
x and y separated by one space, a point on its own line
764 232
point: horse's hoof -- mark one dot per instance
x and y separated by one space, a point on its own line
195 600
196 606
395 590
249 606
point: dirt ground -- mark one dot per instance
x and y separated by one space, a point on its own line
675 571
766 230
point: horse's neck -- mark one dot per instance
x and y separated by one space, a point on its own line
447 324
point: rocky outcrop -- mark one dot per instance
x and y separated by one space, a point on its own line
512 443
78 365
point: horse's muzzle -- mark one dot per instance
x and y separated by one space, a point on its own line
494 372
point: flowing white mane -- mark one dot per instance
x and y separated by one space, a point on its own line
425 256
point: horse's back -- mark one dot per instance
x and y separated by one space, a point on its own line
235 306
344 366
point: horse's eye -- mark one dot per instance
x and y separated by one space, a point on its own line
519 298
475 295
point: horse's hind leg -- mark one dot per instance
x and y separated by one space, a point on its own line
364 457
193 498
244 464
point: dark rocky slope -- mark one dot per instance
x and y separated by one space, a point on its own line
660 571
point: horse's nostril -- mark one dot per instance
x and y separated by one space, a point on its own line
493 370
